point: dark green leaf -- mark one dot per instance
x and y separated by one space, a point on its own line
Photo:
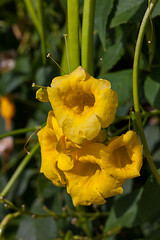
149 207
128 11
115 49
152 88
23 65
38 228
153 143
154 235
121 82
102 12
156 10
124 212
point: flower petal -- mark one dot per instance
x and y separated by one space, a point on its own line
82 104
123 156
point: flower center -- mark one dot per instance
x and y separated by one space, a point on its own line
78 101
121 157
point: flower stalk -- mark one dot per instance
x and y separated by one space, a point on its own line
73 33
87 35
135 88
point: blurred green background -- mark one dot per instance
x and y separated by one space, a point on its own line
135 214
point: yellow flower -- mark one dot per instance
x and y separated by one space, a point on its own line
8 110
91 171
79 167
123 156
82 104
88 182
48 138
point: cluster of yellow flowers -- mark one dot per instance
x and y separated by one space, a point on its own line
72 142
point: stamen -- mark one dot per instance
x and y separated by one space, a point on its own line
103 66
49 56
34 85
65 38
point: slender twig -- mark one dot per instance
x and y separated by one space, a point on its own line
21 130
135 88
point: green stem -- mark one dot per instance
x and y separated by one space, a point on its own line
18 131
19 170
6 220
87 35
135 89
40 11
73 36
21 130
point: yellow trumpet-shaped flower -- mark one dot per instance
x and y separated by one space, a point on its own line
82 104
8 110
91 171
123 156
79 167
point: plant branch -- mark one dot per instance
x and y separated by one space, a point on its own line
135 88
18 171
73 33
87 35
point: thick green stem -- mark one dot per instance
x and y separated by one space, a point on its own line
73 36
135 89
87 35
19 170
40 11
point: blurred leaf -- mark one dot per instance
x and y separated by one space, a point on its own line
124 212
154 235
44 75
114 49
38 228
23 65
3 2
152 88
149 206
128 11
156 10
3 181
28 173
15 82
45 187
153 143
121 82
102 11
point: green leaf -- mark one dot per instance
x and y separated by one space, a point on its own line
149 206
121 82
38 228
115 49
154 235
153 143
128 11
102 11
44 75
124 212
23 65
152 88
156 10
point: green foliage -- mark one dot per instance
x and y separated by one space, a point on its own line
48 212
